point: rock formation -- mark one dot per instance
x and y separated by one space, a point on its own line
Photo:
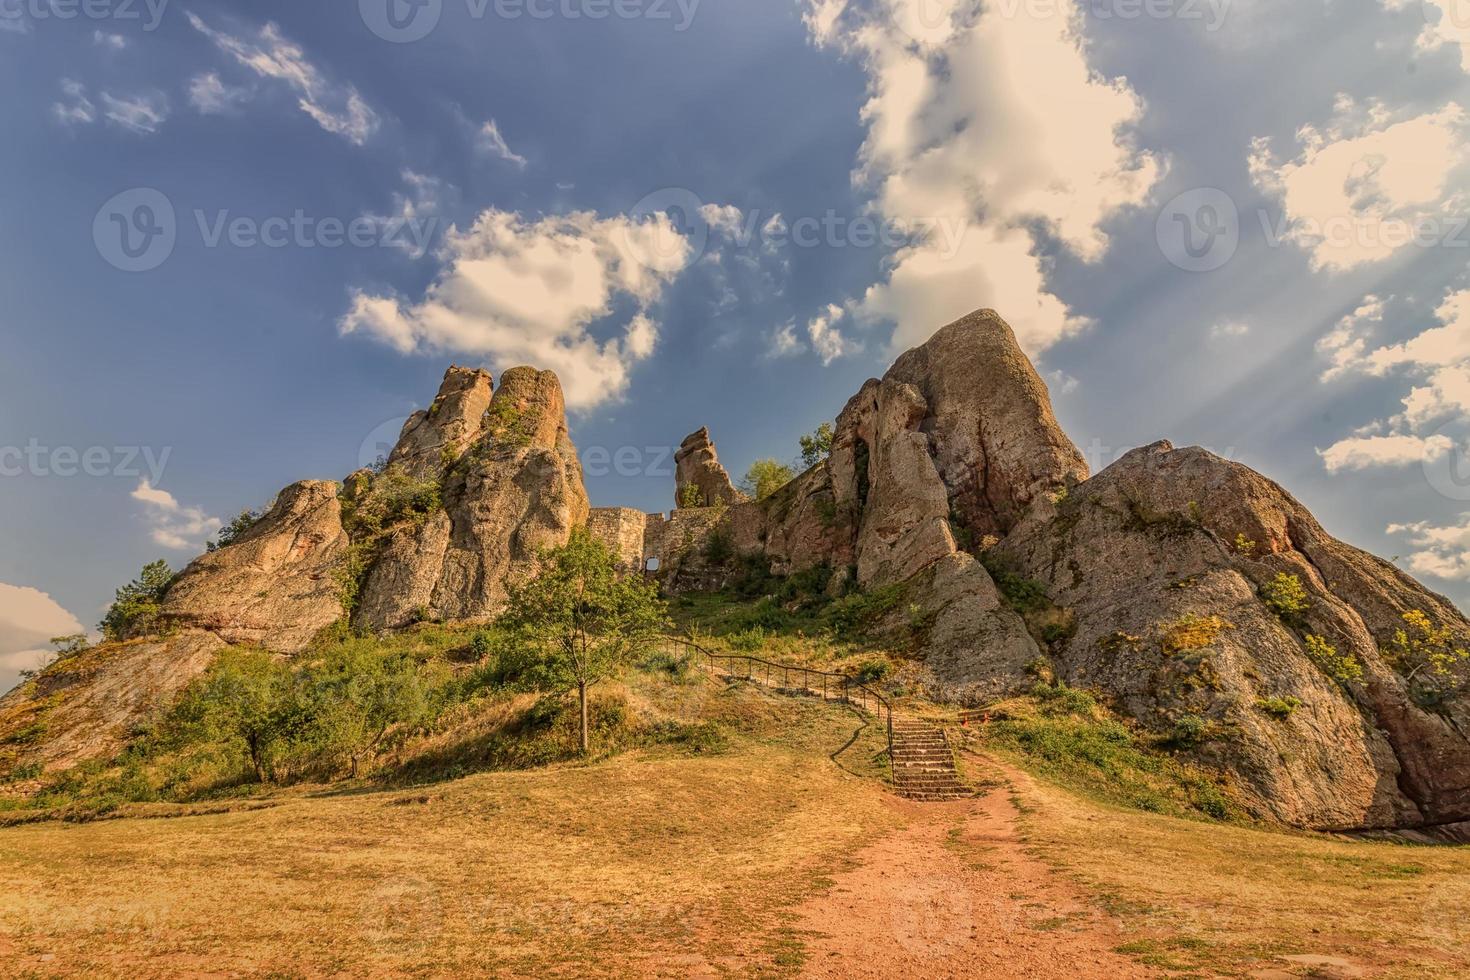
514 490
699 479
1177 585
446 428
275 586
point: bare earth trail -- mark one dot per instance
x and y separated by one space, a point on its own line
953 893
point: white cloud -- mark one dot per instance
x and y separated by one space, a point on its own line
515 291
783 341
417 213
75 109
29 619
171 524
1230 330
143 113
1441 551
1062 383
1363 452
1447 22
490 141
1346 346
336 106
211 96
985 124
827 340
113 42
1368 185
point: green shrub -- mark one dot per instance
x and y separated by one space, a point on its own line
1189 732
873 671
1279 708
1342 667
718 548
134 611
765 477
1285 596
1058 698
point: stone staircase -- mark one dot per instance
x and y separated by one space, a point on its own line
923 763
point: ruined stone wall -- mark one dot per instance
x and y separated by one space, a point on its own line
622 530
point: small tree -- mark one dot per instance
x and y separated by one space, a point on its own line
232 531
356 696
247 696
134 611
765 477
817 446
582 618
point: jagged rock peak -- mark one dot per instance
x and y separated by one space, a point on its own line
994 437
697 465
440 434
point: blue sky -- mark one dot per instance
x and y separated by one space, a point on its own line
1230 223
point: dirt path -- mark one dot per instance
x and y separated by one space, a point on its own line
954 894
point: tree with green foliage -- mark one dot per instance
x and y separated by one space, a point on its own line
817 446
247 696
356 696
582 618
765 477
1286 596
231 532
134 610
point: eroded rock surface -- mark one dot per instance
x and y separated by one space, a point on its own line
434 438
513 493
275 586
1168 537
697 466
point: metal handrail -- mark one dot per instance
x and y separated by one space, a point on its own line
847 684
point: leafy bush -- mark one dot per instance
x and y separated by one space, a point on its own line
817 446
873 671
134 611
1189 732
1432 658
690 496
1059 698
231 532
1285 596
1244 546
1279 708
718 548
855 614
1342 667
765 477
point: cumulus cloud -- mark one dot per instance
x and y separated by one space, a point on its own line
112 42
211 96
1443 552
489 141
1447 24
994 123
1230 330
517 291
783 341
29 618
1436 359
1368 184
171 524
827 340
1363 452
336 106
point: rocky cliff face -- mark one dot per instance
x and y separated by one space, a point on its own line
514 490
1179 586
1170 560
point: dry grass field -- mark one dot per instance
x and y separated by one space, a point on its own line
659 862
